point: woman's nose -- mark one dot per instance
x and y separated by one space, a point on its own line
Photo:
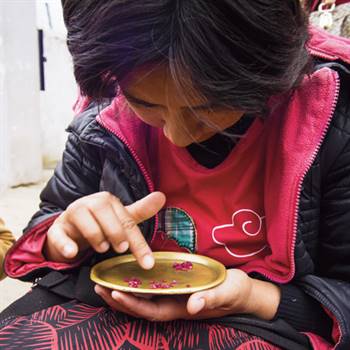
174 117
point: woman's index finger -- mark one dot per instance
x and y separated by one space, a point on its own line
133 235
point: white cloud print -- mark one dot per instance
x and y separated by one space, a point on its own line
249 225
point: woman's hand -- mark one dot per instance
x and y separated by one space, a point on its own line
239 293
100 221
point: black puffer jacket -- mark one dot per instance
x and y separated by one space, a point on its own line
96 160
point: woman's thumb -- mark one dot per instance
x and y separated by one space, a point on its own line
195 304
146 207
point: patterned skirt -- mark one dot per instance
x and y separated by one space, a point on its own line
74 325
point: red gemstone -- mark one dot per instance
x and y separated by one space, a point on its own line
184 266
161 284
133 282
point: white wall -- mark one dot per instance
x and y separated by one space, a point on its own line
60 88
3 107
32 122
20 146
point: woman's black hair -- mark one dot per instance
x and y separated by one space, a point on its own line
235 53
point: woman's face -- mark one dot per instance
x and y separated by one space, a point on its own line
154 98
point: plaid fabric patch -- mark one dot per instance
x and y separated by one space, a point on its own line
179 226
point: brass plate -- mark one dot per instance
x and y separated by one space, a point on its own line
205 273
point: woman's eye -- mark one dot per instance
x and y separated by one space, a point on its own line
147 106
141 104
144 106
206 112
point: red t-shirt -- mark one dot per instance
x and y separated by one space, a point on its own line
216 212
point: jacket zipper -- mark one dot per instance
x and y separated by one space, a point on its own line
299 190
315 293
309 164
320 298
138 161
320 54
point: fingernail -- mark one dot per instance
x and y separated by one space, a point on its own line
104 246
97 289
148 261
198 305
116 295
123 246
68 251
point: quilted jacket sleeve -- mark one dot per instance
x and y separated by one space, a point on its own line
306 302
77 175
335 221
330 285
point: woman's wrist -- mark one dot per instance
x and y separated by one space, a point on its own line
264 299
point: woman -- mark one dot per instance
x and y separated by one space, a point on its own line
223 116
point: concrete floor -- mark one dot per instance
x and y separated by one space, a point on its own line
17 205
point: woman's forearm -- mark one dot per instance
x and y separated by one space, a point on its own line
264 299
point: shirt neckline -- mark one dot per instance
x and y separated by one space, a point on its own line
185 156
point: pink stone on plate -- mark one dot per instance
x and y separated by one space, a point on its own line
163 284
133 282
184 266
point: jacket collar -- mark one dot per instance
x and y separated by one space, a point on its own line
330 47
